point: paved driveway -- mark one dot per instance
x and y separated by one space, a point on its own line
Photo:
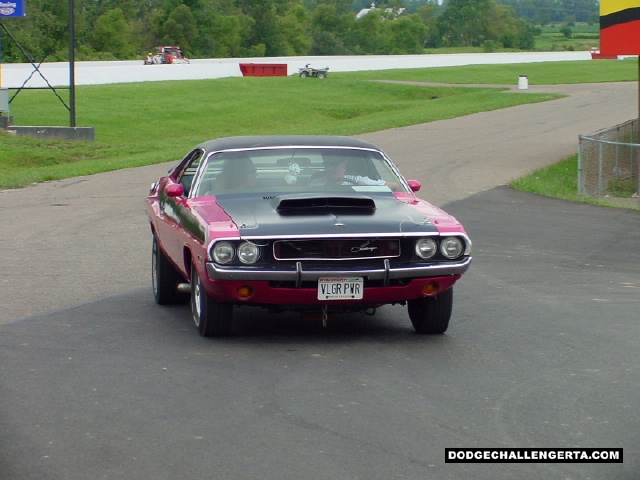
542 351
69 242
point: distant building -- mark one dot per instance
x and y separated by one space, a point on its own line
388 12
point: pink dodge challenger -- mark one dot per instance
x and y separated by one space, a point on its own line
313 224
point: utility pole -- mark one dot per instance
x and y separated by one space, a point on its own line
0 58
72 61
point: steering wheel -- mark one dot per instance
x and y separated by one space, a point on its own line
342 181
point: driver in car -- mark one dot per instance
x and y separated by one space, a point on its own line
335 173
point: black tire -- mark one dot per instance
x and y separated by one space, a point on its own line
304 74
322 75
165 278
213 318
431 315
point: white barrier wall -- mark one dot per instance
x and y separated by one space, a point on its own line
14 75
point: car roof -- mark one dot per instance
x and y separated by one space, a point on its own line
264 141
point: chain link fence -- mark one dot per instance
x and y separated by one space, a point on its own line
608 162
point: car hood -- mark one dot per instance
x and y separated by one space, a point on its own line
311 214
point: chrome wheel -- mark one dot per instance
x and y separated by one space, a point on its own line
213 318
196 303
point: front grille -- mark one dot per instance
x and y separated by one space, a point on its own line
336 249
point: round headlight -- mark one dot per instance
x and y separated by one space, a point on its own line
451 247
426 248
223 252
248 252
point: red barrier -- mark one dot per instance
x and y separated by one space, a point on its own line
263 69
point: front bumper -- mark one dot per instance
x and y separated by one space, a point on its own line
291 298
298 274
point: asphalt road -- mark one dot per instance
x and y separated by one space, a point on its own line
96 381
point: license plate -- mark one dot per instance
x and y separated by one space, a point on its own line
347 288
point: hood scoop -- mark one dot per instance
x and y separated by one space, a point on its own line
319 214
310 204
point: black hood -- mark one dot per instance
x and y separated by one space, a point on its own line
322 214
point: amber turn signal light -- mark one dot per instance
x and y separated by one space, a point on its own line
430 288
244 292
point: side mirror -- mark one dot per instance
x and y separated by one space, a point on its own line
415 185
174 190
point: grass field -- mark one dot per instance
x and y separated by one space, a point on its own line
141 124
145 123
554 73
583 37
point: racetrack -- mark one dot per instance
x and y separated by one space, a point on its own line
542 351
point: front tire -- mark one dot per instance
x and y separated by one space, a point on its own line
431 315
213 318
165 278
304 74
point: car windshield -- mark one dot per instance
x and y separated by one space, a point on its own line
297 170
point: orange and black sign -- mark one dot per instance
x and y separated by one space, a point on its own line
620 27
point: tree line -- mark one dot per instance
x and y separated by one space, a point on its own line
543 12
128 29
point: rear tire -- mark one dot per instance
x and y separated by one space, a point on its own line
165 278
322 75
430 315
213 318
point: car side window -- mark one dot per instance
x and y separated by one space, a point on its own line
189 171
226 172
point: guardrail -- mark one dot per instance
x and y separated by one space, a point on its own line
16 75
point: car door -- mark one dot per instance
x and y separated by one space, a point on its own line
174 210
